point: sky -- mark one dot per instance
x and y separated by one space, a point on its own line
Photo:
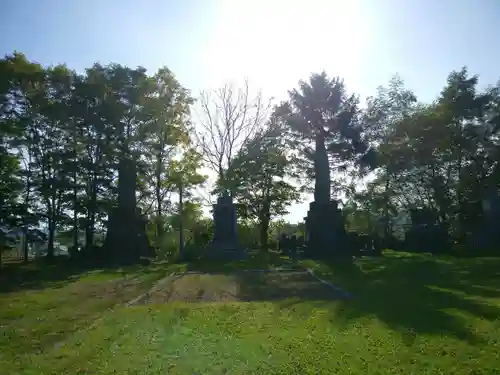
273 43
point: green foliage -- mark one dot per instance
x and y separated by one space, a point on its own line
436 157
63 133
196 231
258 175
326 134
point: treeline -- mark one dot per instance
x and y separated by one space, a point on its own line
392 160
63 134
437 164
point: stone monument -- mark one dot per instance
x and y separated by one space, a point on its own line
487 236
224 244
126 240
325 231
426 232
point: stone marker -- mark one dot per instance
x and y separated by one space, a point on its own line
224 244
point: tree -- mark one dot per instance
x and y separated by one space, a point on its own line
167 138
92 115
35 100
73 134
50 148
9 163
9 191
18 76
257 177
68 141
390 106
323 121
227 119
438 157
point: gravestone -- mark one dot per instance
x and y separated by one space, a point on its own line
293 247
426 233
283 243
306 230
484 238
224 244
289 245
300 242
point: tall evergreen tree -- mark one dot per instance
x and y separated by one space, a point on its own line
323 120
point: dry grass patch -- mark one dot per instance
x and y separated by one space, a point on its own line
239 286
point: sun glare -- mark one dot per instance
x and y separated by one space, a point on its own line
265 41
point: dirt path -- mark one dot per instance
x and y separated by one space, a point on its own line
239 286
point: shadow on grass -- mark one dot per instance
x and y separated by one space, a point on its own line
289 286
254 260
420 293
40 274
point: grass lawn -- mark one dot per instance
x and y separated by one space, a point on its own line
411 314
41 306
443 313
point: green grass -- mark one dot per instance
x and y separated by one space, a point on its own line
35 316
245 338
446 311
412 314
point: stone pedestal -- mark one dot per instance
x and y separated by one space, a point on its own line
325 231
224 244
126 239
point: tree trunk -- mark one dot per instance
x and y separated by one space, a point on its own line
91 211
75 218
74 249
460 199
221 177
50 244
25 245
264 235
181 224
387 229
159 203
89 233
159 213
264 220
26 203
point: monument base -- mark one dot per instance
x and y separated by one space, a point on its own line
126 240
225 251
326 234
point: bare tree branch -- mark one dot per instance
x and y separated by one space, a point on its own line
225 120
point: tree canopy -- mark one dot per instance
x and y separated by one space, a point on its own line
64 134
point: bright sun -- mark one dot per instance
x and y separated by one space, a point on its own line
266 40
275 43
